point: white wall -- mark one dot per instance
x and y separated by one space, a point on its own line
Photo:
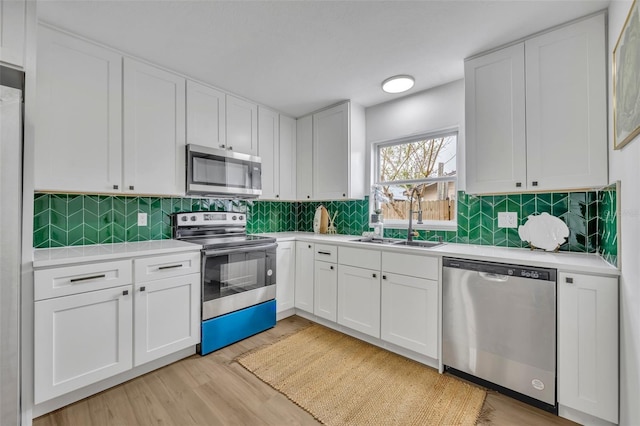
623 166
431 110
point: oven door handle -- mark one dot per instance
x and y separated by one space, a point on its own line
221 252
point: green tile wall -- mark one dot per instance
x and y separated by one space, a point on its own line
68 219
608 224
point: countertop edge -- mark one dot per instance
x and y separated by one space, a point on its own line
590 263
61 256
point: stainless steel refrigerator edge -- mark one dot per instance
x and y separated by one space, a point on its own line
11 107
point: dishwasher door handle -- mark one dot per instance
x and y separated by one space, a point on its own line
494 277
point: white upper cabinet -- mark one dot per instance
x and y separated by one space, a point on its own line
545 131
154 130
242 126
304 157
206 115
12 31
277 149
495 121
269 152
78 144
287 166
567 107
338 152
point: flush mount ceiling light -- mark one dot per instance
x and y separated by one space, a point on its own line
398 84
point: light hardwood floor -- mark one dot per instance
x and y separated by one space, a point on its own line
216 390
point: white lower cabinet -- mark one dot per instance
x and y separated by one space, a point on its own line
95 320
359 299
410 302
325 294
167 317
304 276
588 344
81 339
286 274
410 313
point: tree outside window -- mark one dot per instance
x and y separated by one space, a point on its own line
426 163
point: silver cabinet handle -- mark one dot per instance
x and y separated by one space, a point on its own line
384 277
125 292
568 280
331 267
143 288
92 277
324 252
375 276
223 146
518 184
170 266
230 148
131 187
115 186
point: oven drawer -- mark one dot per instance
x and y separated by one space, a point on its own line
326 253
173 265
67 280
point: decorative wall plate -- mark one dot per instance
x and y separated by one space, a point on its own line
544 231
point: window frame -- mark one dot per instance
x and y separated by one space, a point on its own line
435 225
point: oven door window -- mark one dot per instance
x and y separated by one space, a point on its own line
229 274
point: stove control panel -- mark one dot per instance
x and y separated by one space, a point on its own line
210 218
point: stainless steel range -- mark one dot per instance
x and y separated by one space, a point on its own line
238 276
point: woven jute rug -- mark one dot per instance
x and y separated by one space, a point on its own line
343 381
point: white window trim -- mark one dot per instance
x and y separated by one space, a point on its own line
428 225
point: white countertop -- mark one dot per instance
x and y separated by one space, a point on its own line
564 261
99 252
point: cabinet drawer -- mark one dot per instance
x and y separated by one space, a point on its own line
361 258
326 253
157 267
412 265
55 282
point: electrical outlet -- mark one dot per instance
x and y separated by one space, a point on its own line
507 220
142 219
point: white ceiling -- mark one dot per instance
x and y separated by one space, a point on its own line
298 56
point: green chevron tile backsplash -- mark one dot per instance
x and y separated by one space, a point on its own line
608 224
68 219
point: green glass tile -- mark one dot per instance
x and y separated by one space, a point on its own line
474 236
41 238
91 205
105 235
58 237
500 238
41 203
486 205
90 235
543 203
41 220
75 235
513 238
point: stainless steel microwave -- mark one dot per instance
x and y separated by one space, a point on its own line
222 173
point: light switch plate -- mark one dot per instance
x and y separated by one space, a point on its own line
142 219
507 220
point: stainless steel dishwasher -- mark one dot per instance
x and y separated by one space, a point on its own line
499 326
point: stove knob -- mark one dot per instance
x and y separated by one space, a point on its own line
234 217
193 218
184 218
240 217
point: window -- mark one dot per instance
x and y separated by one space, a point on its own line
425 165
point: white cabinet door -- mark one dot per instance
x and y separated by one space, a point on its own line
330 153
12 31
567 107
154 130
287 164
206 112
410 313
304 276
269 152
588 344
285 276
325 290
80 340
78 144
359 299
167 317
304 157
242 126
495 121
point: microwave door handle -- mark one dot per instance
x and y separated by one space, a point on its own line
221 252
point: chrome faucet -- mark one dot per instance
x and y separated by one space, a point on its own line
410 232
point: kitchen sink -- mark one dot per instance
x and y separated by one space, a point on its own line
396 242
377 240
423 244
